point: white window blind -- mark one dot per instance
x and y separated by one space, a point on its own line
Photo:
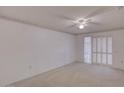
87 50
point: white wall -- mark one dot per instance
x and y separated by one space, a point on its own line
118 46
27 50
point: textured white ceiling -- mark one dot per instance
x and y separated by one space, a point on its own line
60 18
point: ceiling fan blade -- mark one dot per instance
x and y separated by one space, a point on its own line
63 17
73 25
98 12
95 23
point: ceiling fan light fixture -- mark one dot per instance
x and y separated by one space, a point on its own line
81 26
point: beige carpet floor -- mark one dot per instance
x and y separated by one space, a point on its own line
76 75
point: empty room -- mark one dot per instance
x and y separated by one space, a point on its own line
61 46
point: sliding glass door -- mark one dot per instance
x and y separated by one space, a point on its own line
98 50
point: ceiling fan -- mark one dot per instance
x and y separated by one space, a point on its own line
81 23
